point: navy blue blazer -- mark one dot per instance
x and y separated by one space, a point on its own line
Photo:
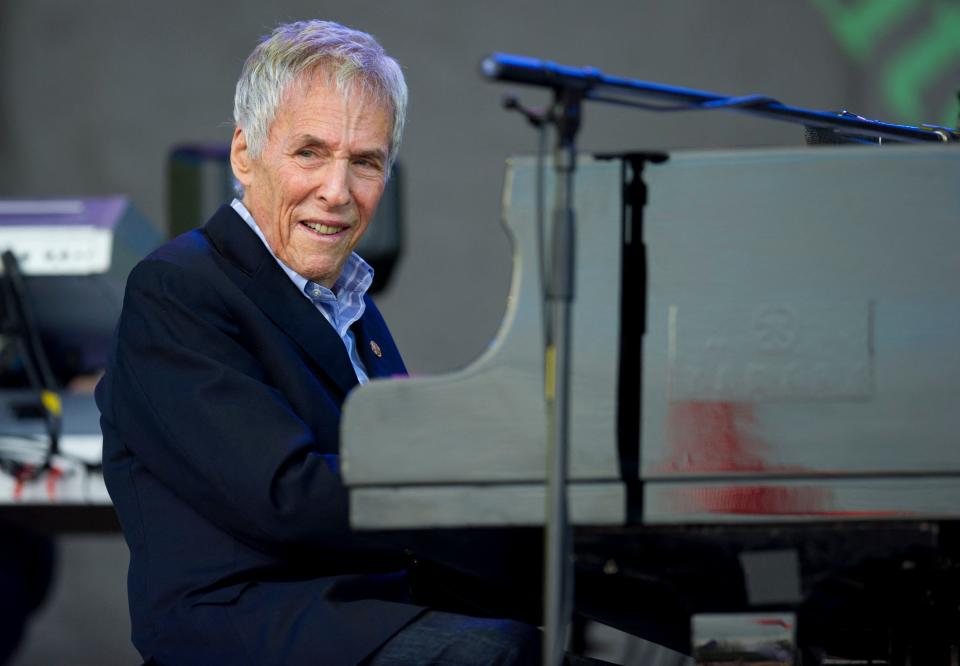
220 411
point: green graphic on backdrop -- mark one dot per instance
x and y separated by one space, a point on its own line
859 26
919 64
909 68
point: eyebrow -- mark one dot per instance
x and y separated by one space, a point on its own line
311 140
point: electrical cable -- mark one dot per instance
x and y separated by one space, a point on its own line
542 222
20 322
744 102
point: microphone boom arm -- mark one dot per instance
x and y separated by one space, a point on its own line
596 86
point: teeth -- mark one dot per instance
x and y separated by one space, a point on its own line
323 228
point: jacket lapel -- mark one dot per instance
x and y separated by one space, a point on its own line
375 344
273 292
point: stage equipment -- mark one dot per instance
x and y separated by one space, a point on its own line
738 312
75 255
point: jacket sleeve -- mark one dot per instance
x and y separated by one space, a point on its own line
194 400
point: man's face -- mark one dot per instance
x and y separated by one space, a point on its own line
318 181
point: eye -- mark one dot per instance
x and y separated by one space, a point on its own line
368 164
306 152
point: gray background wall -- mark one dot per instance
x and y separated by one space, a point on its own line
93 95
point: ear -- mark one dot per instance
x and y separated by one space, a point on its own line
240 159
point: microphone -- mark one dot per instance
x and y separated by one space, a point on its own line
530 71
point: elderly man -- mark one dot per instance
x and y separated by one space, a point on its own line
237 345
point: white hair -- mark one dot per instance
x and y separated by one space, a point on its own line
353 61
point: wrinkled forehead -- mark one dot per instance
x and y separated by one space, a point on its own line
357 88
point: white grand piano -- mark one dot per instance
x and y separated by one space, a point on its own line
760 337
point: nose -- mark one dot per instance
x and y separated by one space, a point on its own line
334 184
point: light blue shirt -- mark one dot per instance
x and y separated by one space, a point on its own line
340 306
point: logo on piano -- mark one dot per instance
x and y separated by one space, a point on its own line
775 328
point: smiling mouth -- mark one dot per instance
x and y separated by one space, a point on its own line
324 229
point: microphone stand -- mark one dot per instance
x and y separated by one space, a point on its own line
571 86
558 291
559 295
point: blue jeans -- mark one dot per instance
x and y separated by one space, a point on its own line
447 639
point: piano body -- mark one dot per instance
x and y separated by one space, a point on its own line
763 361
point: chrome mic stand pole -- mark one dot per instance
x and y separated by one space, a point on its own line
558 583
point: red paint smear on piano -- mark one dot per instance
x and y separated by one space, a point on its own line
773 622
707 437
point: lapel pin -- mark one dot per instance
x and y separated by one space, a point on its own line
375 348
